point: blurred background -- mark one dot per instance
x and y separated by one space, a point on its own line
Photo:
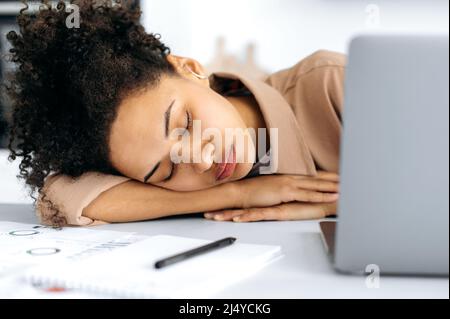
282 31
256 37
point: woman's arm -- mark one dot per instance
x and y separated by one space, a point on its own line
94 198
134 201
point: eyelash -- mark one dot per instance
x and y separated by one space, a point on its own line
188 127
171 174
189 117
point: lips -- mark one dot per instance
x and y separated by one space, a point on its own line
225 170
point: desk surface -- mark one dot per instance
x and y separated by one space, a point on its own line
304 272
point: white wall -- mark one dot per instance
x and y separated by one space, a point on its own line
284 30
11 189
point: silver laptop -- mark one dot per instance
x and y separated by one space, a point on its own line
394 206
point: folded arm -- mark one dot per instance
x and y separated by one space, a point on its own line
95 198
135 201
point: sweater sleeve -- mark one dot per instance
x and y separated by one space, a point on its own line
65 198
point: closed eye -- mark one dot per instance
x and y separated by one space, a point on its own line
188 121
172 171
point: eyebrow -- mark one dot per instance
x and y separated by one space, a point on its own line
167 116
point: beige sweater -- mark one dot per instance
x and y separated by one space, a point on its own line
303 102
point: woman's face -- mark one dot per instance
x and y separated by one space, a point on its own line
143 142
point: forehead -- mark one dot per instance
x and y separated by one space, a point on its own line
139 127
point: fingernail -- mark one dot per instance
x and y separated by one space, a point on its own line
208 215
218 217
237 219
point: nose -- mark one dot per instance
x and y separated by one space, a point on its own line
205 160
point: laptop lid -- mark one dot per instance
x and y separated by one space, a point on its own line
394 207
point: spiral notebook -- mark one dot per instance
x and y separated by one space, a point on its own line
129 272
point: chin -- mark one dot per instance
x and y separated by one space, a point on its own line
242 170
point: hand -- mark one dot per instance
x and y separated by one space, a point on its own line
290 211
272 190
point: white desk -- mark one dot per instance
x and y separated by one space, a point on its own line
304 272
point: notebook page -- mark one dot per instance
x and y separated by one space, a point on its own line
129 272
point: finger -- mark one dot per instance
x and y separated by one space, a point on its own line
302 211
319 185
299 211
329 176
260 214
225 215
302 195
210 215
291 211
325 176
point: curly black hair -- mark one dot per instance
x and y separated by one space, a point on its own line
69 82
3 124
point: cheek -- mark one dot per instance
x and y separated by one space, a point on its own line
219 120
214 111
188 181
243 169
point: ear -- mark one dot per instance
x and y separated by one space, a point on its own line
189 69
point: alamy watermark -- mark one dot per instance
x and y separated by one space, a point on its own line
373 277
189 147
73 19
373 16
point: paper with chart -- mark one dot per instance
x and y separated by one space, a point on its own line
23 246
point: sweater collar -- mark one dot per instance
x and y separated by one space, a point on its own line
289 151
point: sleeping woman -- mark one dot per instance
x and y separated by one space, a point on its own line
101 114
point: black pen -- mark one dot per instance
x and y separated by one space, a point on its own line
194 252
